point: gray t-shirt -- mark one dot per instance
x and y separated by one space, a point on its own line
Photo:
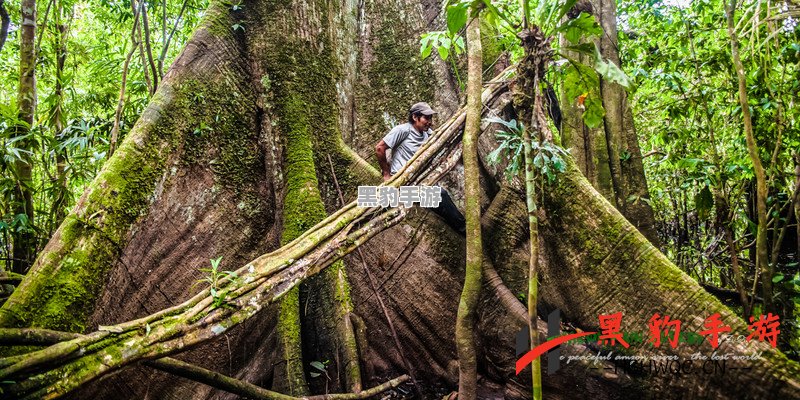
404 141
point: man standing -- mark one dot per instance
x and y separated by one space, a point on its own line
405 140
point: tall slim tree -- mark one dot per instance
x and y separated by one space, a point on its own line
58 122
5 21
762 260
24 239
465 323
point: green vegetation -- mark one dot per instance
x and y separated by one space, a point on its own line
81 49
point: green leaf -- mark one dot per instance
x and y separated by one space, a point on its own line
579 79
314 374
609 70
582 27
318 365
512 125
444 41
703 201
426 50
456 17
538 161
558 164
594 112
777 278
583 48
494 156
443 52
458 45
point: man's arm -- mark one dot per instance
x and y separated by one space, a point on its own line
380 151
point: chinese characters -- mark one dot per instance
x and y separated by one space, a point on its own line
388 196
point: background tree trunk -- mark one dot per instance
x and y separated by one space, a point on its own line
5 21
609 156
465 319
24 240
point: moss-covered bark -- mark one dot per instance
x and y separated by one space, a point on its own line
302 71
594 251
24 241
61 290
465 322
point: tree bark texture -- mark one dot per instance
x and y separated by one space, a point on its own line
24 240
5 21
170 199
465 319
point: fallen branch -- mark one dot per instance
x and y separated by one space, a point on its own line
11 277
241 388
377 294
189 371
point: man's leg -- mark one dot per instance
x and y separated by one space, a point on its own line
448 210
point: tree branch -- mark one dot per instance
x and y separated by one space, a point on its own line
377 294
189 371
165 47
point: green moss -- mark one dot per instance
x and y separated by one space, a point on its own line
396 76
71 274
219 20
289 332
301 103
91 237
491 47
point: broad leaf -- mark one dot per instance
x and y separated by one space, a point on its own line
594 112
443 52
610 71
456 17
318 365
703 201
582 27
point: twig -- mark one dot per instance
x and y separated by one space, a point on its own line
165 47
10 336
121 101
146 25
653 152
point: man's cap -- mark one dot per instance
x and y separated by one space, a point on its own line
422 108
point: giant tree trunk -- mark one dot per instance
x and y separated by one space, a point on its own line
173 197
